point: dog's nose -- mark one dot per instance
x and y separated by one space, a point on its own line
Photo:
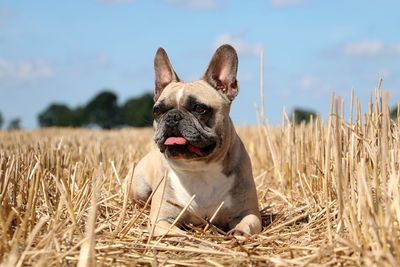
173 118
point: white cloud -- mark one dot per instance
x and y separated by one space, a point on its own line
286 3
7 12
6 15
395 49
79 65
314 84
97 61
239 43
244 76
377 74
196 4
384 73
309 82
371 48
363 48
26 71
115 2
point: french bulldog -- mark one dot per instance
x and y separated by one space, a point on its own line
198 155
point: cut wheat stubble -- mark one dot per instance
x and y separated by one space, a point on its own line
330 190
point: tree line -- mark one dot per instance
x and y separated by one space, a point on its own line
13 124
103 111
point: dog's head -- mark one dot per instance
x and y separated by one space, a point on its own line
192 119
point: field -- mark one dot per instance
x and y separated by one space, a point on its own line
329 194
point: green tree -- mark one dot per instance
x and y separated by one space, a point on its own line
102 110
137 111
302 114
393 113
1 120
14 124
60 115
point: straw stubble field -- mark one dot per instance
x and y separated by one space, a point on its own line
329 193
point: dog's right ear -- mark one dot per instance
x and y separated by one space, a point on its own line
165 74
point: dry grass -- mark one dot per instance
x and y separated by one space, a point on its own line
329 193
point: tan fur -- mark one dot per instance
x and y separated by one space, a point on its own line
224 176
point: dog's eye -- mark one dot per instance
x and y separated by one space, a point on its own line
200 109
157 112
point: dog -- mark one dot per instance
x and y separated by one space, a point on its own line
198 155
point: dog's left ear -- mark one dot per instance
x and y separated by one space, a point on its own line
222 70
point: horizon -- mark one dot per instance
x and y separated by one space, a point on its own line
67 53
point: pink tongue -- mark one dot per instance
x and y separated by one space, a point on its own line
195 149
175 141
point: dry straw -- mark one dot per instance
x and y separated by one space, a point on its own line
329 193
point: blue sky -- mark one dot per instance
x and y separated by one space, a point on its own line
67 51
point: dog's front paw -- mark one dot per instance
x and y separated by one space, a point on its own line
238 233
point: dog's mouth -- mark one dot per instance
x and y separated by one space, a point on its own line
177 147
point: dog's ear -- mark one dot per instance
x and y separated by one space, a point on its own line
222 70
164 72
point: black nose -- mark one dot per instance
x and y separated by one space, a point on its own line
173 118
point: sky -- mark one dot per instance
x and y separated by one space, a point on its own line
67 51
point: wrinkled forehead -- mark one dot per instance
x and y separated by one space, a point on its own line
178 93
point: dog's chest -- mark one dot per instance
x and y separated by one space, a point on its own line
209 185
